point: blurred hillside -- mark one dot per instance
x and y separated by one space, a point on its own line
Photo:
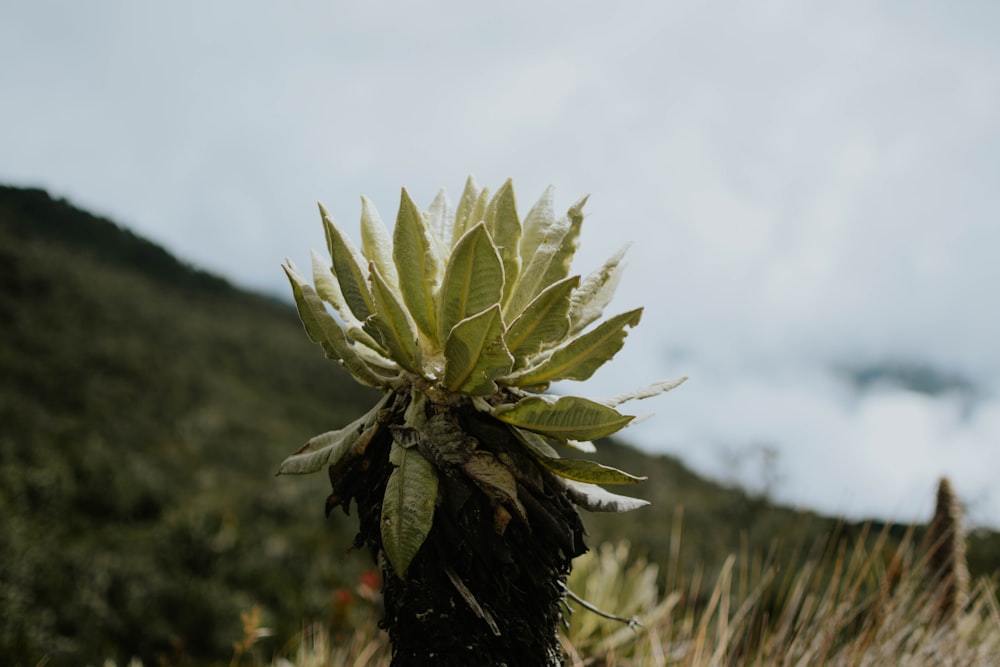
144 408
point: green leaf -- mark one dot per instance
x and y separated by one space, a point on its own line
329 291
505 229
415 255
464 212
328 448
324 330
373 355
440 223
408 506
321 450
587 471
393 323
478 213
347 267
580 357
550 262
587 303
473 280
475 354
538 224
594 498
578 469
534 443
568 417
543 321
559 269
376 242
326 286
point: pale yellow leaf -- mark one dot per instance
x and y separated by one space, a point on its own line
417 263
393 322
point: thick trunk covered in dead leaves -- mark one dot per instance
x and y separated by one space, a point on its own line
472 596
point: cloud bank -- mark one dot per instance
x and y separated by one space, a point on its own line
806 186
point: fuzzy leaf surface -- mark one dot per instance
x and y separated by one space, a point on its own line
408 506
534 443
473 280
478 213
543 321
328 448
537 224
394 324
650 391
594 498
505 229
324 330
415 255
439 223
329 291
376 242
475 354
578 359
588 471
567 417
464 212
587 303
326 285
549 263
347 267
576 469
559 267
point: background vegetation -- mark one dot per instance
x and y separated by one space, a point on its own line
144 408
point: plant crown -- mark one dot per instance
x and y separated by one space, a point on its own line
466 307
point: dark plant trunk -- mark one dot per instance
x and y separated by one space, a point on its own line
472 596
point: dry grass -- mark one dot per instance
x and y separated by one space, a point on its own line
874 602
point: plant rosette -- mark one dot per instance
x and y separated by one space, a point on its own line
466 307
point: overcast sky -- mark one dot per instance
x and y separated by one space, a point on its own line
807 186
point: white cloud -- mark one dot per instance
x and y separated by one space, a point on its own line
806 185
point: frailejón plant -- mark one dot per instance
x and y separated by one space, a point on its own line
462 318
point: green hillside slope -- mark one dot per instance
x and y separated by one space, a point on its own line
144 408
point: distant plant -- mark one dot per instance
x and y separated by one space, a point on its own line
946 546
462 318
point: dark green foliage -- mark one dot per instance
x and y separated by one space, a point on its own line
144 410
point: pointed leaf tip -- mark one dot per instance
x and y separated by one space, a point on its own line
579 358
417 264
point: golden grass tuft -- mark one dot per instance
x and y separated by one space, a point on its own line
869 600
861 603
